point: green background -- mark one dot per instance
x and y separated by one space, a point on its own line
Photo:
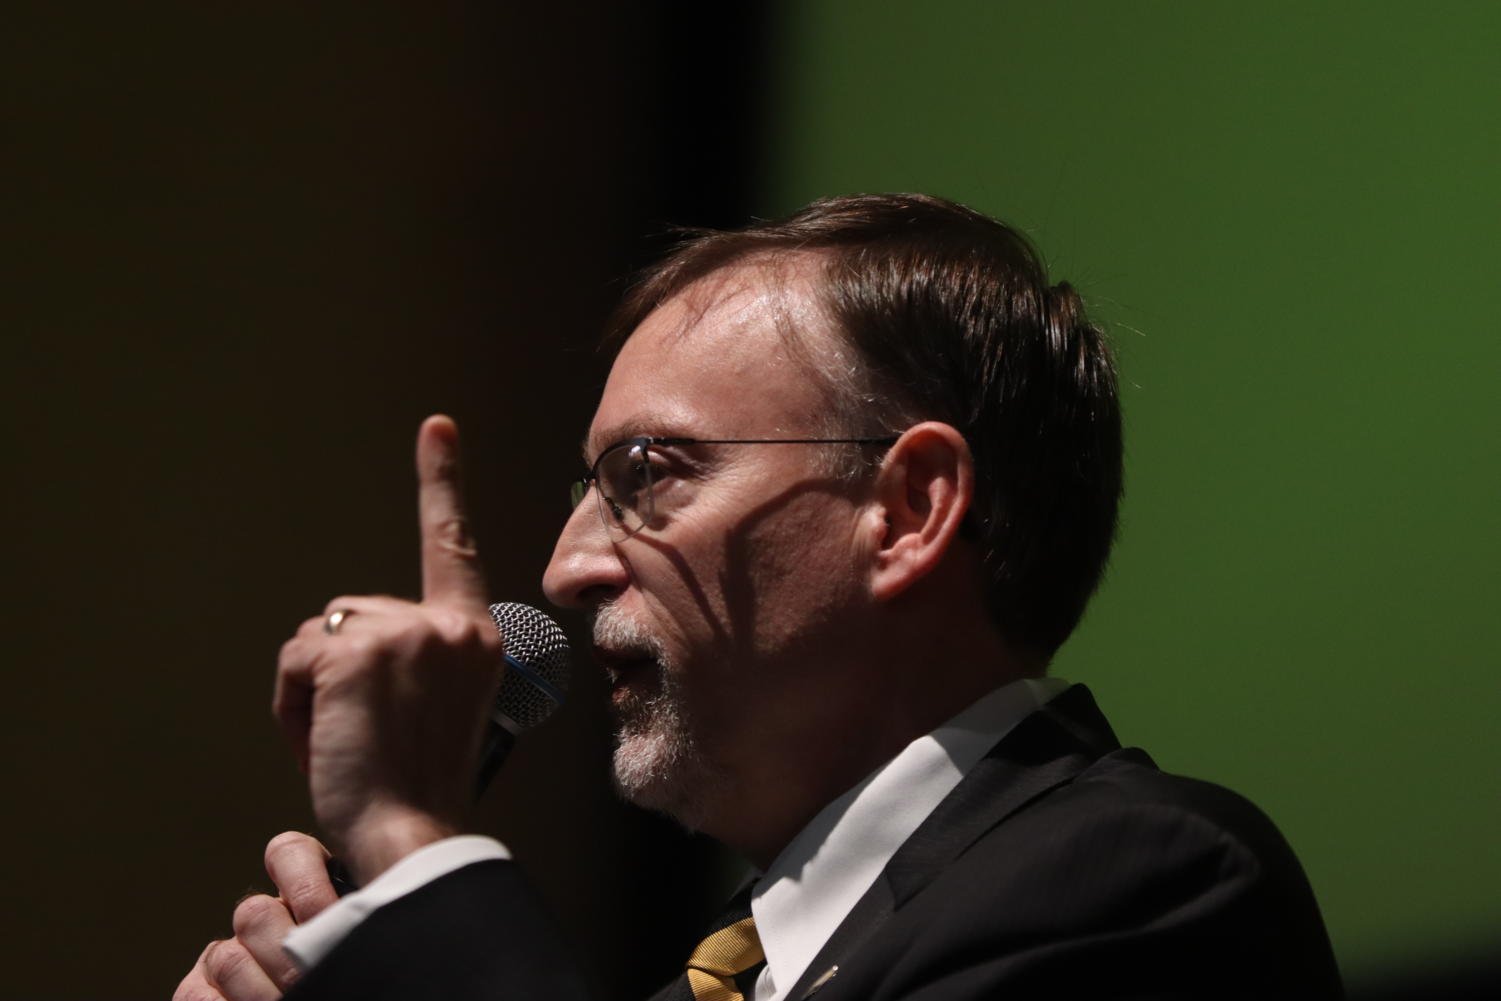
1287 215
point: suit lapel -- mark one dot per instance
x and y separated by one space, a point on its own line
1043 751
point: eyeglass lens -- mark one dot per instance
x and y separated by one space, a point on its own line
624 482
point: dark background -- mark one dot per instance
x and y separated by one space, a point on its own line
247 249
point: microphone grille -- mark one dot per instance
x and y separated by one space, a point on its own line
536 678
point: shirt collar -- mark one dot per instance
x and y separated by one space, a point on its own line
811 887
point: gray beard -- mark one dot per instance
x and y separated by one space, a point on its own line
657 762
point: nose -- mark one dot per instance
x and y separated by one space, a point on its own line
585 568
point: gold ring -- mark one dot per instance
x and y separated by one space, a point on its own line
336 619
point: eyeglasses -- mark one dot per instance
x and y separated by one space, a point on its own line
623 475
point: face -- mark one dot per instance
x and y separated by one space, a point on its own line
724 624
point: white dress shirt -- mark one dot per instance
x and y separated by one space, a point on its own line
809 889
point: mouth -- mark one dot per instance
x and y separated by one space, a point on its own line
628 671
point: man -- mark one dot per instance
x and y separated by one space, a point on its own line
853 478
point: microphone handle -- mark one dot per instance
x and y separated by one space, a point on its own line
339 876
497 746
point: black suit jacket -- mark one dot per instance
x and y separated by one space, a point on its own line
1062 866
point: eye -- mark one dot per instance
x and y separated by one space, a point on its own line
637 472
627 472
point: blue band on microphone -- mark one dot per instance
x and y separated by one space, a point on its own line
543 685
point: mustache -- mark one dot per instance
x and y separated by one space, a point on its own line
623 636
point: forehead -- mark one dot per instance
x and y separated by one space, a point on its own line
730 356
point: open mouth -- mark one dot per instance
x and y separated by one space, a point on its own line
626 670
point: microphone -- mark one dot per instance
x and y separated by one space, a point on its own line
535 684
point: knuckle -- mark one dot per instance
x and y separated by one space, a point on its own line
414 636
304 891
465 631
415 628
343 601
365 647
453 627
452 534
254 911
290 654
225 958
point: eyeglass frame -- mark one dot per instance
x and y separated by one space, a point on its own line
579 488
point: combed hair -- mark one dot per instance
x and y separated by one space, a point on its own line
953 319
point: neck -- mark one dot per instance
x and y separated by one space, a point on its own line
903 683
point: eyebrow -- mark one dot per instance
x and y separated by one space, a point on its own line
639 426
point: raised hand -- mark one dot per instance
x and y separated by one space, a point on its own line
384 704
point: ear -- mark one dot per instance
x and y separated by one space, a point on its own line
922 493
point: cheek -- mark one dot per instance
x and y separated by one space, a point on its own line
799 568
679 582
717 594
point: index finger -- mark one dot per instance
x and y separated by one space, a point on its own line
451 571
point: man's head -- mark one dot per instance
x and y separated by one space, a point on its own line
945 314
763 631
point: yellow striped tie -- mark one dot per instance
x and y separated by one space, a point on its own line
720 958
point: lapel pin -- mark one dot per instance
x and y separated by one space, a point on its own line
824 978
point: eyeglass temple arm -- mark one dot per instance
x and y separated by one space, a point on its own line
884 440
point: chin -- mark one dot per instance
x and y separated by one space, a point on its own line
659 768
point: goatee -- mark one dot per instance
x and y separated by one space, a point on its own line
657 763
